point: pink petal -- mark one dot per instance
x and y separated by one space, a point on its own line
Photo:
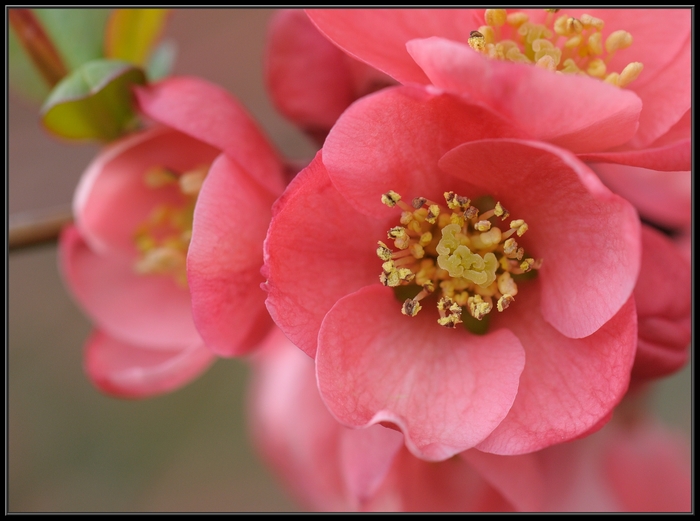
376 365
112 199
518 478
649 470
446 486
663 303
378 37
665 99
574 478
144 310
568 385
307 76
131 371
664 84
674 156
567 210
366 456
318 249
578 113
224 259
303 452
661 197
210 114
392 140
671 152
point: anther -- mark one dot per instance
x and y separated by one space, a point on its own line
411 307
478 308
450 312
630 73
418 202
483 226
471 212
383 252
496 17
527 264
506 284
390 198
500 211
456 202
425 239
401 239
477 41
589 21
504 302
618 40
433 212
158 176
191 182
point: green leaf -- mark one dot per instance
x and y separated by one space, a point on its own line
94 102
162 60
78 34
132 33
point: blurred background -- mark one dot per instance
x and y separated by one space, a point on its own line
72 449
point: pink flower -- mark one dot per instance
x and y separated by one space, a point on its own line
551 367
166 252
663 309
628 466
645 124
310 80
580 113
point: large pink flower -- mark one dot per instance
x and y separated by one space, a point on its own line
551 367
628 466
166 252
646 123
595 118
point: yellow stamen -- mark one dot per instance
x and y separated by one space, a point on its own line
470 260
569 45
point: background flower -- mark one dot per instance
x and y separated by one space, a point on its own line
429 46
154 202
633 464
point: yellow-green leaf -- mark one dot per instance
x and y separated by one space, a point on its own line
132 33
94 102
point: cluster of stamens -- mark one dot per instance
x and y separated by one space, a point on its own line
164 237
563 44
457 253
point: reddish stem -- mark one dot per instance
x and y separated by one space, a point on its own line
37 44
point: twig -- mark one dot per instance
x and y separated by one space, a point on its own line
38 226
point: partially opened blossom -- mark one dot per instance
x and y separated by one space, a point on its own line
664 322
310 80
630 465
611 85
517 240
147 260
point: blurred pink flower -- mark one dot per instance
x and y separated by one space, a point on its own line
627 466
310 80
663 310
167 248
552 366
645 124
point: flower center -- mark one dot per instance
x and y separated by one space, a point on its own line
164 237
566 45
457 253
